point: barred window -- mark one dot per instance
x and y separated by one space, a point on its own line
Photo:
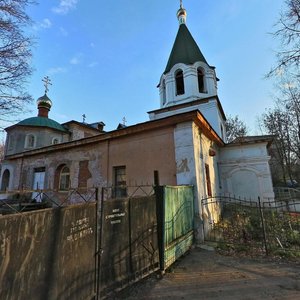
120 189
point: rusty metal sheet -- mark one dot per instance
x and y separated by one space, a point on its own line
48 254
144 242
129 241
115 242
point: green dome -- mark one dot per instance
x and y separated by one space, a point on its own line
41 122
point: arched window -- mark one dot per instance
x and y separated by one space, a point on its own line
30 141
201 85
179 82
164 97
64 179
5 180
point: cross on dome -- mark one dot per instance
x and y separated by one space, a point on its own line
47 82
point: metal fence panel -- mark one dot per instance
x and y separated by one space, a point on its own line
129 244
268 227
235 224
115 258
282 223
143 228
178 222
48 254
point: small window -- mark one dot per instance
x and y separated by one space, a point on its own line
120 189
55 141
179 82
222 132
208 183
5 180
201 84
10 142
64 179
29 141
164 98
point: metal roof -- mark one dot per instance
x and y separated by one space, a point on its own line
41 122
185 49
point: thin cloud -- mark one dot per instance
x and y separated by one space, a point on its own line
56 70
62 117
63 31
45 24
65 6
93 64
75 60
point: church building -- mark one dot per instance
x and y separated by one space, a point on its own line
183 143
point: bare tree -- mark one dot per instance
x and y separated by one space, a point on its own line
2 148
276 122
235 128
15 55
288 32
283 121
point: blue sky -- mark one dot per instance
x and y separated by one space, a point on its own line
105 58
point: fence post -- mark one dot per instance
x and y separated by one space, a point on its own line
160 214
99 222
129 235
263 226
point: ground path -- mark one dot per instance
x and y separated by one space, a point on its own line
203 274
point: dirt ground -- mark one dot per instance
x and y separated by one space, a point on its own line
203 274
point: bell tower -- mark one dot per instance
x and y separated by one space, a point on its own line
188 81
187 76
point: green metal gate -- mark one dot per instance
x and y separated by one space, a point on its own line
175 211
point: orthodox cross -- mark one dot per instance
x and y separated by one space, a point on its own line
124 121
180 3
47 82
83 118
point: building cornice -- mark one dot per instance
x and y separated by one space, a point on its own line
189 104
192 116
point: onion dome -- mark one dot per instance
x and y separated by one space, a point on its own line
181 14
44 105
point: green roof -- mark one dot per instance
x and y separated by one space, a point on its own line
185 49
42 122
